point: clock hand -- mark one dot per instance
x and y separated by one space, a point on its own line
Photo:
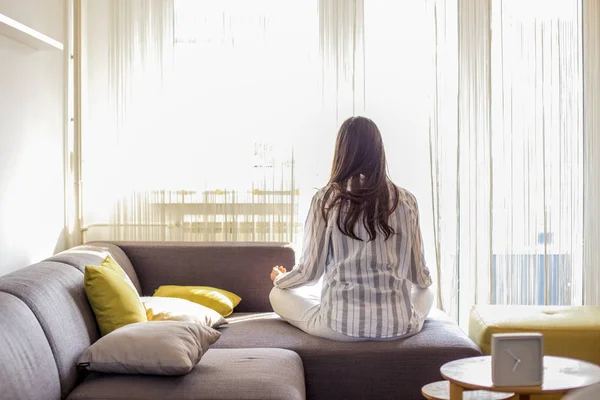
513 356
516 365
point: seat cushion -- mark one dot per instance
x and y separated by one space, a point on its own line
221 374
27 366
93 254
340 370
55 294
568 331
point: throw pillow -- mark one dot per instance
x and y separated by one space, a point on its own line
115 301
150 348
174 309
219 300
110 263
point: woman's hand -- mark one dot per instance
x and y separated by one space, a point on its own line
276 271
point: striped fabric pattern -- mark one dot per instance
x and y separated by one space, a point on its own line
366 284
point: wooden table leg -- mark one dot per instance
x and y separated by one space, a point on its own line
456 392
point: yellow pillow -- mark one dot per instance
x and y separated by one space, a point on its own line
110 263
115 301
219 300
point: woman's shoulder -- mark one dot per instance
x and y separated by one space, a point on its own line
404 195
319 194
407 199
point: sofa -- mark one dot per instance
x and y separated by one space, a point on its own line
46 323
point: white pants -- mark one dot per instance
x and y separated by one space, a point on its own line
300 307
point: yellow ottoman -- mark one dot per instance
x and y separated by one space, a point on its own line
568 331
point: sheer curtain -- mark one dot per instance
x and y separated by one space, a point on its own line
538 111
508 176
192 131
127 70
217 120
443 149
591 66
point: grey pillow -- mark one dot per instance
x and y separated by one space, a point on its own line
150 348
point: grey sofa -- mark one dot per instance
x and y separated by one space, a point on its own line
46 323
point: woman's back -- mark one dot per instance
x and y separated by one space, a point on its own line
367 283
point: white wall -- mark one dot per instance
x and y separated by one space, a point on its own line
31 138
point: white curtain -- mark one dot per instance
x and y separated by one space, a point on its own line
342 48
507 178
189 148
538 111
443 151
217 120
591 68
127 75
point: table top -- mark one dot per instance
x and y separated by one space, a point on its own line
441 391
560 375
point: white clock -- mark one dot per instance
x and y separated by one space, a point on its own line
517 359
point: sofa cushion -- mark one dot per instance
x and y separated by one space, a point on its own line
93 254
241 268
55 294
569 331
27 366
221 374
356 370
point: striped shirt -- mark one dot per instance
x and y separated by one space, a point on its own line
367 284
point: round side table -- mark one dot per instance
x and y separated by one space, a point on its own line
561 375
441 391
587 393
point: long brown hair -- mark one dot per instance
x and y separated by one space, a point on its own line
359 183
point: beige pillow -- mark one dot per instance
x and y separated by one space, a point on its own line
150 348
175 309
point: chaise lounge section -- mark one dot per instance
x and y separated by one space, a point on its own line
258 356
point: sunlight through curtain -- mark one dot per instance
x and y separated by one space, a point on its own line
507 181
442 135
591 66
216 120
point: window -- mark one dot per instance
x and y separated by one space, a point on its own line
217 120
537 111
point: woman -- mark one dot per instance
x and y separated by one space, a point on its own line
362 233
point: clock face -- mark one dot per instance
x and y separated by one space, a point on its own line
517 361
